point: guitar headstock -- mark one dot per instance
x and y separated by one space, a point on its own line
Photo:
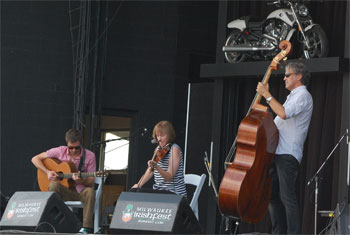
99 173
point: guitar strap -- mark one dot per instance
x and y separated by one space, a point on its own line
82 160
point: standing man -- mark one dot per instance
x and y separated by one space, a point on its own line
292 121
84 161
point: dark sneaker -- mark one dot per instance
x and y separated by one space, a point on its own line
85 230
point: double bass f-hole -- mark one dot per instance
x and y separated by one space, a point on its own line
245 188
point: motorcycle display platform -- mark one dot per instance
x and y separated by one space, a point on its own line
219 70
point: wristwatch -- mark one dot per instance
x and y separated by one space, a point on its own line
268 100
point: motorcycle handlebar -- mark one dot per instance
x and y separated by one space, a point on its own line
285 2
278 3
273 3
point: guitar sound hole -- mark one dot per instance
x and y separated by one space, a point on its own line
60 175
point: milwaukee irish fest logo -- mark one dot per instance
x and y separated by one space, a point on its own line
12 211
127 213
146 215
24 209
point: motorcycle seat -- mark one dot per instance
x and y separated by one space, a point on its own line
252 22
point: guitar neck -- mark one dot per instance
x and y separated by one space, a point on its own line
81 175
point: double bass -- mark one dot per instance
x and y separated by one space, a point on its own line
245 188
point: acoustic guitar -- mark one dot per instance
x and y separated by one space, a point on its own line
65 171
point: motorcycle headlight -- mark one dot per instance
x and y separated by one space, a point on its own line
303 11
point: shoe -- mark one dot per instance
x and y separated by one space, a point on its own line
85 230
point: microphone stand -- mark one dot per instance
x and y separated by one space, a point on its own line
315 178
102 149
102 144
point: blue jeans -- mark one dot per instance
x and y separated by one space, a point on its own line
283 207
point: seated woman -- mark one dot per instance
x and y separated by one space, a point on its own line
168 172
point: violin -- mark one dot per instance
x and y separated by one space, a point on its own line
160 153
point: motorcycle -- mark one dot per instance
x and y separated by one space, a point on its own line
260 40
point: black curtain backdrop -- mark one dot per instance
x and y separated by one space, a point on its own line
324 130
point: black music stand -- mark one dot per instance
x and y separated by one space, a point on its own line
315 178
226 221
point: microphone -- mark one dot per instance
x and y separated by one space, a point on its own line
154 141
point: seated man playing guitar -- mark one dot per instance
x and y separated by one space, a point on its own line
80 189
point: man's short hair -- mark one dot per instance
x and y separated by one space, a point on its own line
300 68
73 135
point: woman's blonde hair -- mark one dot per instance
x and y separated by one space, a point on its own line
164 127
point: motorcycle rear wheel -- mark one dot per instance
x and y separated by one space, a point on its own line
318 42
235 38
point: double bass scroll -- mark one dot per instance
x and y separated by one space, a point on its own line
245 188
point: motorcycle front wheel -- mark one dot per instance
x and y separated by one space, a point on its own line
318 42
235 38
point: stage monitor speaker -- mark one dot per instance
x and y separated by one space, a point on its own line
39 212
3 203
153 213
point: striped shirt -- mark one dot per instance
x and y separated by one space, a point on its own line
177 185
